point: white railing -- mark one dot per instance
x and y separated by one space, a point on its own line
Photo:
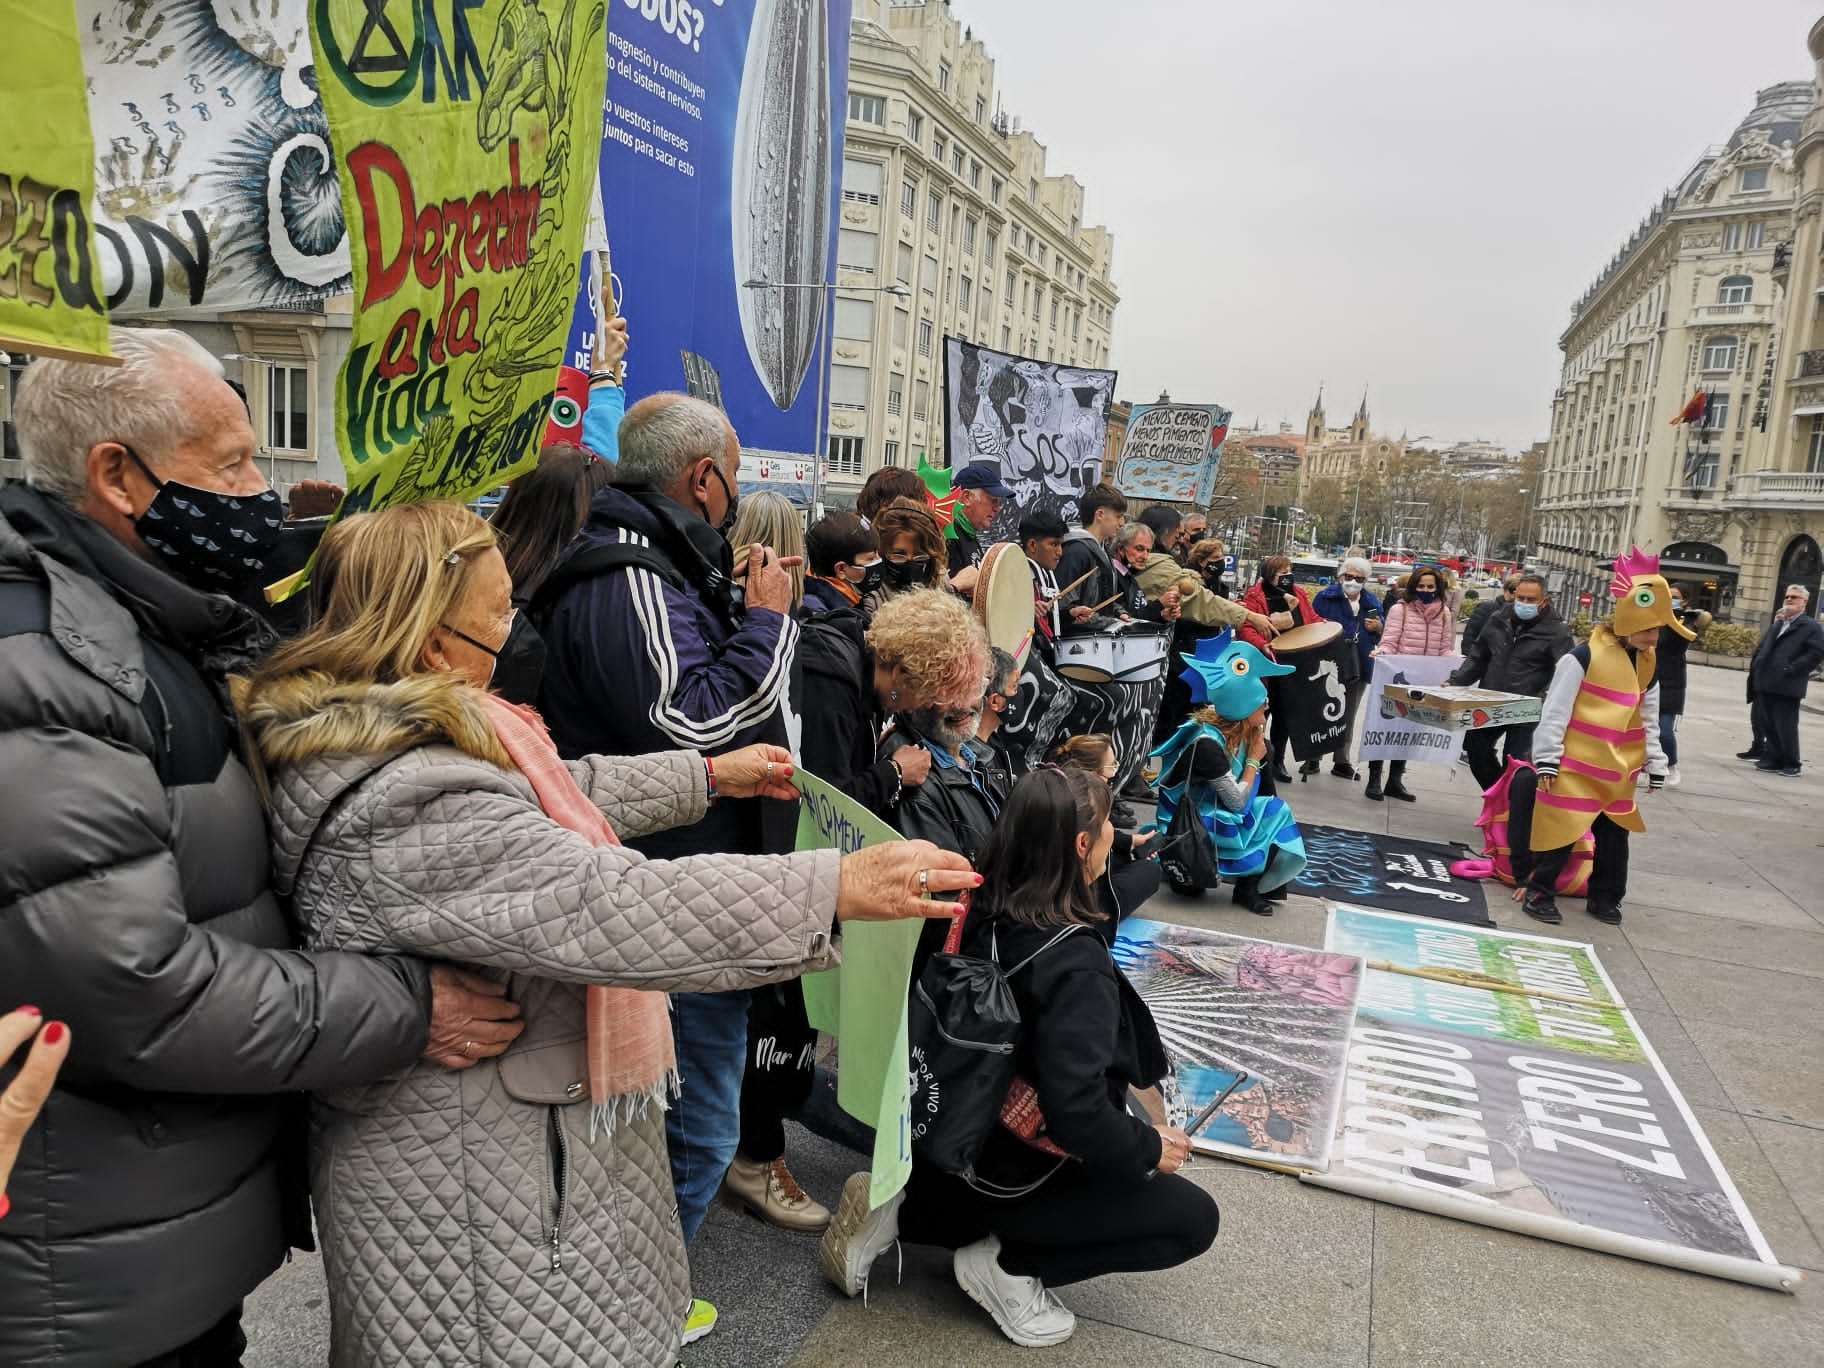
1779 486
1747 313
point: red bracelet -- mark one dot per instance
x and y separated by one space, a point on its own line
709 773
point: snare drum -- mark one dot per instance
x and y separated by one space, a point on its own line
1132 653
1003 600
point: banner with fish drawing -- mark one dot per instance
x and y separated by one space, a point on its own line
466 201
49 303
1498 1077
1264 1026
1044 425
721 141
1388 871
1171 452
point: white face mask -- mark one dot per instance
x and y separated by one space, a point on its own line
1351 588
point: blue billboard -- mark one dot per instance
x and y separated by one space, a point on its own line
720 166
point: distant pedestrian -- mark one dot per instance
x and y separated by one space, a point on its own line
1778 676
1672 649
1478 619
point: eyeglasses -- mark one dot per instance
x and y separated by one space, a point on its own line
493 651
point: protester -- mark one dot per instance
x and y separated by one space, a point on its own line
771 520
843 555
415 813
1597 729
1158 573
1418 624
607 396
979 493
1478 618
1349 602
134 897
1102 511
911 553
1516 652
1285 604
1032 1221
1133 874
1208 558
1673 674
24 1097
1191 529
1778 676
657 650
883 487
1001 765
1042 540
1211 765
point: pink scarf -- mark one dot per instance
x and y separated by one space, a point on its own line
628 1029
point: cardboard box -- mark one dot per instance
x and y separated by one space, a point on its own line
1459 709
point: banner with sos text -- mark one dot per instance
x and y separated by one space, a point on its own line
465 142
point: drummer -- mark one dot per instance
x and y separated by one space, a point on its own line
1286 605
1042 539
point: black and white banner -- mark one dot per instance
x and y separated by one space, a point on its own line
1316 703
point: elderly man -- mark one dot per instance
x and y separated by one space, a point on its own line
1778 677
660 638
979 492
134 902
1191 530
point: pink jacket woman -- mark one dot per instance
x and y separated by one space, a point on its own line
1415 628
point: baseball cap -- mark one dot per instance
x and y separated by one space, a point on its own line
983 475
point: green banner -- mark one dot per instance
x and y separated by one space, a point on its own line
465 141
51 295
863 1002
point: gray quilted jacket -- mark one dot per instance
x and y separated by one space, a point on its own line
468 1217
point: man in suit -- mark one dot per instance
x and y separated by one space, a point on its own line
1778 676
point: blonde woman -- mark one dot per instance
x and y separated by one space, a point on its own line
772 520
522 1212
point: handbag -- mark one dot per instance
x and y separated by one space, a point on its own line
964 1029
1187 854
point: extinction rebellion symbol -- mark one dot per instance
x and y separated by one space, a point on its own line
377 52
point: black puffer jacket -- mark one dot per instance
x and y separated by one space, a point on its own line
153 1193
841 724
1515 656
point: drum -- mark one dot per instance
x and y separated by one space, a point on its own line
1141 651
1307 638
1089 659
1004 602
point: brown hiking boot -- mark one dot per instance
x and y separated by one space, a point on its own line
770 1192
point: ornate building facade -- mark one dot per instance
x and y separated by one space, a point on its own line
1345 453
1690 306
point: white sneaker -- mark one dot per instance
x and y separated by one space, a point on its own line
857 1236
1672 776
1027 1314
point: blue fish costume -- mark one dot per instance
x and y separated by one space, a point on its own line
1259 840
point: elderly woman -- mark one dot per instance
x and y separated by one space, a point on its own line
912 554
522 1212
1348 601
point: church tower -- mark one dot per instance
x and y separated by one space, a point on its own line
1314 424
1358 426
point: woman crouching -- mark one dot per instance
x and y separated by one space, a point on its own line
1104 1195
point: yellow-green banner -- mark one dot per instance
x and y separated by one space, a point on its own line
50 293
465 138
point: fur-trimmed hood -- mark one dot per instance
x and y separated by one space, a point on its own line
311 716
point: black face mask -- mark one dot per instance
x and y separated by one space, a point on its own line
905 574
1283 584
1215 579
870 578
734 501
211 541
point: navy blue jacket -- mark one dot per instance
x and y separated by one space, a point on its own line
1331 602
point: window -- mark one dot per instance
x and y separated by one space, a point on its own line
1032 191
981 109
928 279
969 237
901 323
1735 289
1054 311
845 456
860 181
975 175
943 76
902 263
849 387
1719 354
908 197
915 126
956 160
896 393
1732 237
1006 339
1041 256
890 456
1701 468
924 340
934 211
856 249
1010 286
1716 416
939 144
1038 302
956 220
994 190
964 293
1757 235
990 247
1814 450
855 319
1754 178
288 408
868 109
949 287
921 400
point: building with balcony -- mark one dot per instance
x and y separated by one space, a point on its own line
1690 304
951 225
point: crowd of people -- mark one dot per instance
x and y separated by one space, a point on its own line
455 923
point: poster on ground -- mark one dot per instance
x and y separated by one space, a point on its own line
1497 1077
51 301
1393 873
863 1001
1170 452
1226 1006
1397 738
1044 425
466 182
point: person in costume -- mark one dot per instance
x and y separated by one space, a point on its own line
1599 726
1212 763
1507 826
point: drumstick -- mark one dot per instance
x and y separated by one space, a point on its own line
1105 602
1046 606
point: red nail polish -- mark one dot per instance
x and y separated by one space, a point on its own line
53 1033
5 1205
28 1009
978 880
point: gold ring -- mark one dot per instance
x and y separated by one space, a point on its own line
468 1048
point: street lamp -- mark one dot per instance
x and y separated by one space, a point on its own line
818 454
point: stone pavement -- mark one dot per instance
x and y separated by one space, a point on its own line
1721 957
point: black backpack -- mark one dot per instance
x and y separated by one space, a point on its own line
964 1028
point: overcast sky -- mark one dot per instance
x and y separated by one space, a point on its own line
1407 196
